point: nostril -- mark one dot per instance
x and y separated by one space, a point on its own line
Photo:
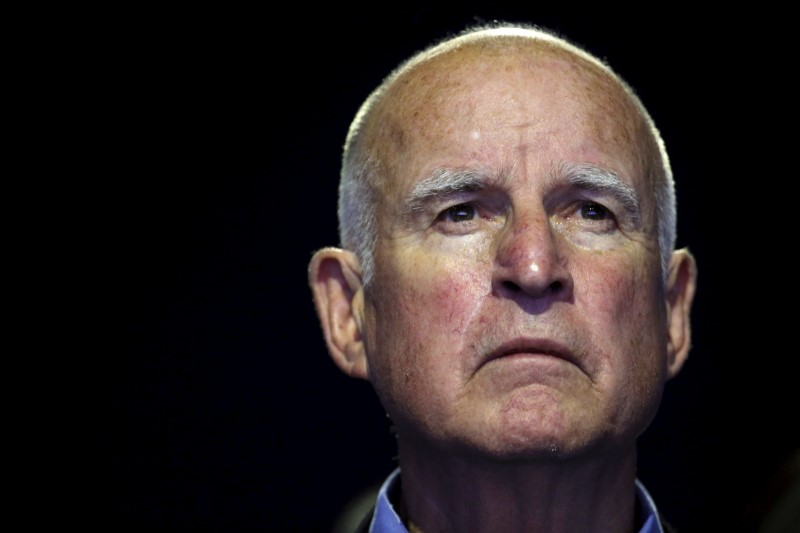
556 286
511 286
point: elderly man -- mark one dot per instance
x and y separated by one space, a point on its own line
508 284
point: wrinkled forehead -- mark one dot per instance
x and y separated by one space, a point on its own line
461 88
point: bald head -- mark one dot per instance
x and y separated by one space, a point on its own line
456 82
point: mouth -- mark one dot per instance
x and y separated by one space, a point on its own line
531 347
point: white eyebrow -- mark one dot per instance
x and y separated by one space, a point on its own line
444 182
447 181
606 182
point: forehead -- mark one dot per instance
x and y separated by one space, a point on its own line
485 104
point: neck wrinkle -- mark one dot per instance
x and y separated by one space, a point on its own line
444 493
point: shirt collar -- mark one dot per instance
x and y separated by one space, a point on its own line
386 520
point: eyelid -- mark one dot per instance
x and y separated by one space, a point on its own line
572 201
483 204
604 205
444 210
606 187
447 212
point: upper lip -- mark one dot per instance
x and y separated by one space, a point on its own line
533 346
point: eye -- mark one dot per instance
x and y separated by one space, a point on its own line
458 213
594 211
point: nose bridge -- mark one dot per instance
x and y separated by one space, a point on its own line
528 240
530 256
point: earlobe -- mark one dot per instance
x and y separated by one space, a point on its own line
681 283
334 276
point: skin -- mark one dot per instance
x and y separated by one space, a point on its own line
519 333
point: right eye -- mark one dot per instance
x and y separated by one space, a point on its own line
594 211
458 213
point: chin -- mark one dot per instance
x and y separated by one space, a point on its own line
542 450
529 446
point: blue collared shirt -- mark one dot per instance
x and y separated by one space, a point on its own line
386 520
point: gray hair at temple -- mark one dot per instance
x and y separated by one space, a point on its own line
362 170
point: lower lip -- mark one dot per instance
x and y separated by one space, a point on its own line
525 367
528 355
530 358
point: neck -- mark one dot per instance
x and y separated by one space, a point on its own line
446 493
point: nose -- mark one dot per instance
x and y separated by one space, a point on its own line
530 265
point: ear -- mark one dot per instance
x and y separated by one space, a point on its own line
681 283
335 279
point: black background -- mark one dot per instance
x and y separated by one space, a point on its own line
227 412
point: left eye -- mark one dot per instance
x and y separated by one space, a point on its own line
459 213
593 211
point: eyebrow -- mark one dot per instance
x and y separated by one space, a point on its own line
445 182
605 182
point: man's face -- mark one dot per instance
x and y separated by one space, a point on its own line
516 308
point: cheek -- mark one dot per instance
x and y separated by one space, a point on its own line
629 330
623 293
433 299
417 341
